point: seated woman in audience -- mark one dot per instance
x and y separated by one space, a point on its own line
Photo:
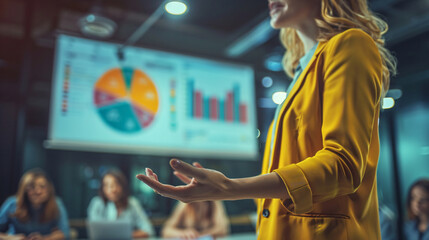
197 219
115 203
34 213
417 228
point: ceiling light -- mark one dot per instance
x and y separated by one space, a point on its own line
176 7
97 26
279 97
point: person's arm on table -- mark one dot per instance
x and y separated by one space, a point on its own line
55 235
4 236
140 234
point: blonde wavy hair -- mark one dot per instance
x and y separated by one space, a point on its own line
338 16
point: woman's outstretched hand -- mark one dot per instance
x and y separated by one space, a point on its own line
206 184
202 184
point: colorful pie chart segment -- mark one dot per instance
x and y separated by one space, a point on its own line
126 99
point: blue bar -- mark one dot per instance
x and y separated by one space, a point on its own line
236 101
206 108
190 93
127 74
221 110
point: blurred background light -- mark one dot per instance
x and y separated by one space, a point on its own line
388 102
176 7
279 97
266 103
90 18
394 93
267 82
93 25
274 62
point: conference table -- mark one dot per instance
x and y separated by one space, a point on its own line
240 220
239 236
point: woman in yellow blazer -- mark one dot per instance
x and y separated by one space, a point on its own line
318 177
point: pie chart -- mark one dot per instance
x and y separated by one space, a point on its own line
126 99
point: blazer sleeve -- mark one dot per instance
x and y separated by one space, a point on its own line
351 88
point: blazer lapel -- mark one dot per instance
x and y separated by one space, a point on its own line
289 98
301 78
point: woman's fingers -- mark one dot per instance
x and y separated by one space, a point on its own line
151 174
185 193
148 172
165 189
155 185
197 164
182 177
187 169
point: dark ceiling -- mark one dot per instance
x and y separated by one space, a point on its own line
208 29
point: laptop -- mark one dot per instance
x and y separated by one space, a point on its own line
105 230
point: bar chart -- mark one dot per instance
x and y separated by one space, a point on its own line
228 109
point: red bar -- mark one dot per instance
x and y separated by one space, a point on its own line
243 113
198 105
229 107
214 109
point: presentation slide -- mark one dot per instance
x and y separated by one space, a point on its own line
150 102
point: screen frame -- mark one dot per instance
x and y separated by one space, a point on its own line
50 143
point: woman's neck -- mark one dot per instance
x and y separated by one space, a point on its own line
308 32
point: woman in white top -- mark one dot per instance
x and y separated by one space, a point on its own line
115 203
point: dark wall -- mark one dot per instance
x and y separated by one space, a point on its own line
10 63
410 120
412 125
8 171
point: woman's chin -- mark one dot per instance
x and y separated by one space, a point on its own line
274 24
113 199
277 22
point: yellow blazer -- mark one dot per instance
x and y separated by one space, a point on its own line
326 146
